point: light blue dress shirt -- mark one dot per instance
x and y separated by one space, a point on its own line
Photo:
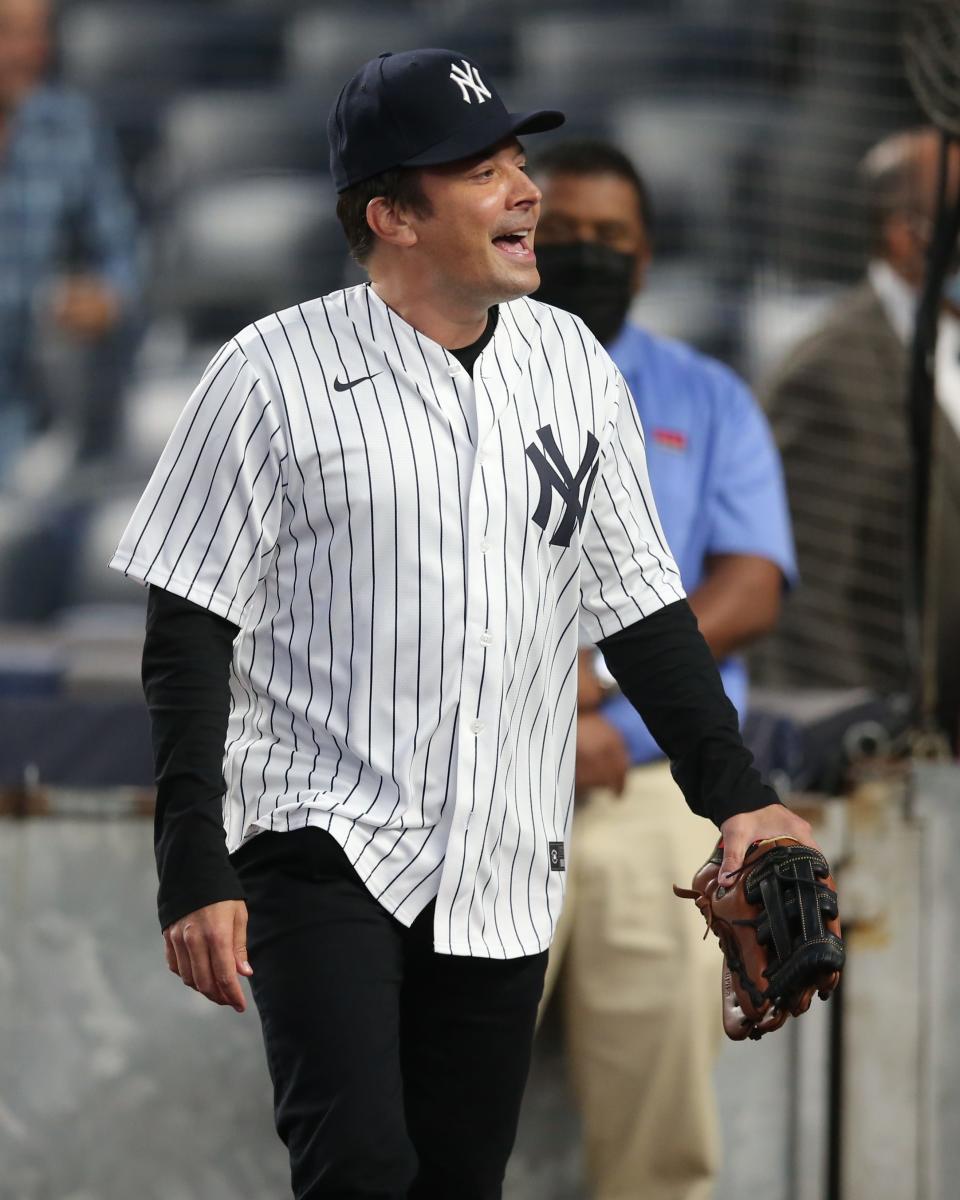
716 477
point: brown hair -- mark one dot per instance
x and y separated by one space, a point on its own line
591 156
402 186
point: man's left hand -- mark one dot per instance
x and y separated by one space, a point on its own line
740 831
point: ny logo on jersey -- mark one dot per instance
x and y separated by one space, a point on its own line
560 479
467 78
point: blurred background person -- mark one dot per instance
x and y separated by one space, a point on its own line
837 405
67 243
639 984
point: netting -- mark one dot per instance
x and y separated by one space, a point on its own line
748 121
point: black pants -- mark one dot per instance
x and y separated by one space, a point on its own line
397 1072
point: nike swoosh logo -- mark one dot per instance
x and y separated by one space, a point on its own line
352 383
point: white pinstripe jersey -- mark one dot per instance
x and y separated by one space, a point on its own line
407 551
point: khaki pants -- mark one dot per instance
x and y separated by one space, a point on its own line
640 990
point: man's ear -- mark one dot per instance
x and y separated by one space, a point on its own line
390 223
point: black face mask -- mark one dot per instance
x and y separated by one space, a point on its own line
591 281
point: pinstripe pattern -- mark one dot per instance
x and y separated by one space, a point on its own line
405 671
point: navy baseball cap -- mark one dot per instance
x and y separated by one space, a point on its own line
419 109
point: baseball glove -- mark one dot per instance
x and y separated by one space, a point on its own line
779 930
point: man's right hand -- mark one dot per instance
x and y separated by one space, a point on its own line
602 756
208 950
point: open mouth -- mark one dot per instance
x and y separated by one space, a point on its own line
516 245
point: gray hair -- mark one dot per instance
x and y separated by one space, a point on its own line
891 178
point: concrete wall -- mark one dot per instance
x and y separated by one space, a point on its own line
117 1082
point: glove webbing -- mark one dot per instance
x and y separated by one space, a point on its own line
808 897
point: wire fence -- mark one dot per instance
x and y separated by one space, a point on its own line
747 120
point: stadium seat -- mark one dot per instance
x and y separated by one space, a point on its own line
92 583
292 7
633 51
211 134
507 10
693 152
162 47
324 46
132 58
168 370
37 556
233 251
580 50
151 408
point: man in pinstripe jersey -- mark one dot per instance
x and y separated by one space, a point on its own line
370 544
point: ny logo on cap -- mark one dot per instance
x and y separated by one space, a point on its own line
560 479
468 77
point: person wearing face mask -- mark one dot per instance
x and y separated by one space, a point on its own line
639 984
837 405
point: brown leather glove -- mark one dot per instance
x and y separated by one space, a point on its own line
779 929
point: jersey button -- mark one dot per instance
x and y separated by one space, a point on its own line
454 369
477 727
484 547
486 638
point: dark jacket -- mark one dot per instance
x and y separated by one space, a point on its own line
838 407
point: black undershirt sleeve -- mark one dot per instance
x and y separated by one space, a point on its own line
186 680
665 669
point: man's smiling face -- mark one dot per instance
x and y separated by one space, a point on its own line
478 237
